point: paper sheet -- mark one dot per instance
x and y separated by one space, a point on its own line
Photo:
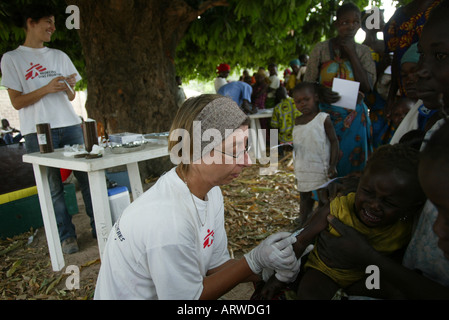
348 91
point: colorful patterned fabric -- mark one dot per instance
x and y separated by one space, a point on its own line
383 128
353 127
259 95
402 31
283 119
322 52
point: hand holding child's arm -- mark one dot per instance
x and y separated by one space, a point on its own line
345 251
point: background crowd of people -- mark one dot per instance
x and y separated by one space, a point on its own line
388 205
400 106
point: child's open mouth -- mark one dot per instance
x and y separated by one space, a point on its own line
370 217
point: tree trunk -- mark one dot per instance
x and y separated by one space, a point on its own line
129 48
128 66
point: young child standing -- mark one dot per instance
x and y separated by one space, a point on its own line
315 145
283 120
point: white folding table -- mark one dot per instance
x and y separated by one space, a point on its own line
256 134
95 169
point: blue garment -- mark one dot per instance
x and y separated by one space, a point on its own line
353 129
424 115
64 136
9 139
237 91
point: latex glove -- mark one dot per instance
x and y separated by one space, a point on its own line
290 275
267 273
275 252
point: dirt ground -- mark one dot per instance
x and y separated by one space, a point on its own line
88 262
255 206
89 253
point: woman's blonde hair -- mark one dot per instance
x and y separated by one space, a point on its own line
188 112
221 115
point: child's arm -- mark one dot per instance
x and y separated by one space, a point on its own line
314 226
332 136
352 248
316 223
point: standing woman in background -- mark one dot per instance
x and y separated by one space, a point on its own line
341 57
40 83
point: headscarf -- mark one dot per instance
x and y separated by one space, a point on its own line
221 116
411 55
223 67
295 62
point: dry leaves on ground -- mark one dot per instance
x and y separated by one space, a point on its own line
26 273
255 206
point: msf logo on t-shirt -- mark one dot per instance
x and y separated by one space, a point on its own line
34 71
209 239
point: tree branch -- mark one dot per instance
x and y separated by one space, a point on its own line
210 4
179 15
180 11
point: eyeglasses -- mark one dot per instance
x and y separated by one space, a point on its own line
237 156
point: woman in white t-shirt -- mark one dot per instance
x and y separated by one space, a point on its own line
171 242
40 83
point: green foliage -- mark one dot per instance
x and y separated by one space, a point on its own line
245 34
66 40
253 33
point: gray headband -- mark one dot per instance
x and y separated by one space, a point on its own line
218 119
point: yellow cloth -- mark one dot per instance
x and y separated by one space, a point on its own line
292 82
385 240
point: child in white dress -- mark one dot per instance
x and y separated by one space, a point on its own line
315 146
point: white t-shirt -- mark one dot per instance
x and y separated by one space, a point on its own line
275 83
409 123
219 82
26 70
159 250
